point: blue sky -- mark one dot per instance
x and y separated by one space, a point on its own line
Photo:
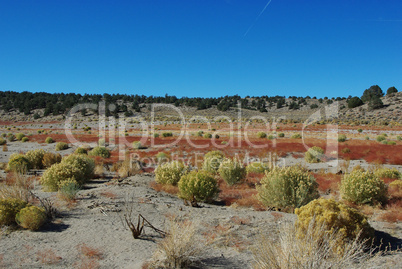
201 47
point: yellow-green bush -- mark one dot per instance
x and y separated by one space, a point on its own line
287 188
31 217
81 150
137 145
261 135
387 173
198 187
9 209
61 146
2 141
342 138
170 173
314 155
363 188
18 163
212 161
19 136
334 217
35 158
50 158
396 184
380 138
257 167
68 189
232 171
49 140
296 136
100 151
25 139
77 166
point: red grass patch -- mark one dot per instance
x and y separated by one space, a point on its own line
327 182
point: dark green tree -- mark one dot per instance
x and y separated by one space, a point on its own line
354 102
391 90
371 93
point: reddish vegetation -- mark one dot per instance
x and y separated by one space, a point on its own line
174 190
327 182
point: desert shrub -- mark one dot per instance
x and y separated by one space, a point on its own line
170 173
207 135
396 184
270 137
342 138
49 140
25 139
61 146
392 143
314 155
296 136
281 135
200 133
345 150
380 138
167 134
2 141
399 138
334 217
180 248
3 135
68 189
387 173
257 167
156 135
261 135
31 217
50 158
81 150
10 137
100 151
101 142
363 188
78 167
162 157
198 187
19 136
360 130
9 209
367 137
354 102
137 145
18 163
35 158
232 171
287 188
212 161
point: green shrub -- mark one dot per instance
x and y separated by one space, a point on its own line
31 217
387 173
50 158
137 145
200 133
25 139
333 217
212 161
363 188
10 137
281 135
207 135
360 130
19 136
61 146
261 135
257 167
77 166
198 187
287 188
100 151
170 173
396 184
367 137
156 135
101 142
18 163
232 171
380 138
162 157
68 189
399 138
296 136
270 137
167 134
9 209
35 158
342 138
49 140
392 143
2 141
314 155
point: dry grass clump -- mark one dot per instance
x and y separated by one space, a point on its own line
314 155
17 186
180 248
314 251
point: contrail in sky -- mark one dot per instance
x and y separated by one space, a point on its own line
256 19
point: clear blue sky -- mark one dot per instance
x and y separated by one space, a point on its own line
201 47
